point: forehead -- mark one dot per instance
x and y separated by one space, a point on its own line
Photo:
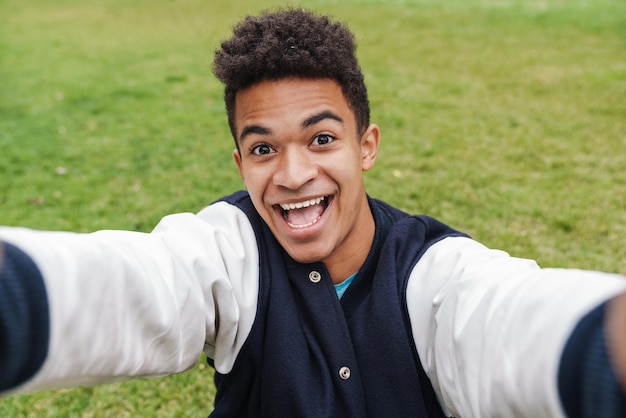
276 104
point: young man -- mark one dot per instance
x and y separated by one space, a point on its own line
309 297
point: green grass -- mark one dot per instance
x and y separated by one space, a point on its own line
505 119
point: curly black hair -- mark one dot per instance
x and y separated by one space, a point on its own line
291 43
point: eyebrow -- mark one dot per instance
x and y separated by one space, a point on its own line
253 129
308 122
327 114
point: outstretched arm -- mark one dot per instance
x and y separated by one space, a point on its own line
84 309
499 336
112 305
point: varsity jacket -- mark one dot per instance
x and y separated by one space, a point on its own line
433 324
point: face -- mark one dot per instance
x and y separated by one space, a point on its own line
302 162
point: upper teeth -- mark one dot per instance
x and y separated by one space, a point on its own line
300 205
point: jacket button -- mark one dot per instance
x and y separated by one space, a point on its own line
315 276
344 373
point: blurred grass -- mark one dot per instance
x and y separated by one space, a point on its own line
505 119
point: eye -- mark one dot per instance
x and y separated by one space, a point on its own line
261 149
323 139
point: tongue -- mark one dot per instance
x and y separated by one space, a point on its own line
304 216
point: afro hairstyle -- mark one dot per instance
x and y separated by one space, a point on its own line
291 43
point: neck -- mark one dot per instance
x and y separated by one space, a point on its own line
349 259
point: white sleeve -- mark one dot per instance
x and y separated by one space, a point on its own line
128 304
490 329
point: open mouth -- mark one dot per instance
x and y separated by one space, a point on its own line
305 213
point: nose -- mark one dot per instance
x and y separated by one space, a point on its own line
295 169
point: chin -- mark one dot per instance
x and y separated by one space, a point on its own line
306 256
305 259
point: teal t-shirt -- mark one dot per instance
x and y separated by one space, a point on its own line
340 288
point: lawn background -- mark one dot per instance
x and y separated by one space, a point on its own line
505 119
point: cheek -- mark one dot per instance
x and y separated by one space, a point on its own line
348 168
253 189
249 177
255 185
257 201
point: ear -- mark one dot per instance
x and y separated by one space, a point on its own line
237 159
369 147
